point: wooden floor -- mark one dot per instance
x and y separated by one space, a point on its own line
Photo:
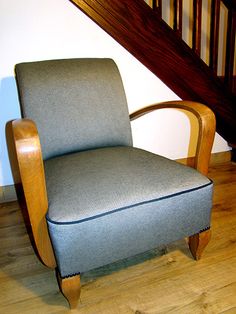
167 280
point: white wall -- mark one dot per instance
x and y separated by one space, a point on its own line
50 29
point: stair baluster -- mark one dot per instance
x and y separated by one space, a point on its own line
197 26
138 26
214 36
178 16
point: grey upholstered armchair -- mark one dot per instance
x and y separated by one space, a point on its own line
92 198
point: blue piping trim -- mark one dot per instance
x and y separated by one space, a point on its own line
126 207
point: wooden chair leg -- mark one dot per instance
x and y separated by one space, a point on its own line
70 287
198 242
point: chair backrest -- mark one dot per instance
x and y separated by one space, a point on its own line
77 104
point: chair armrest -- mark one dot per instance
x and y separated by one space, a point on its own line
29 157
206 122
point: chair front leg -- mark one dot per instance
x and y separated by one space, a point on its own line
70 287
198 242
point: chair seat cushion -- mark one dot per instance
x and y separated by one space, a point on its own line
92 192
88 184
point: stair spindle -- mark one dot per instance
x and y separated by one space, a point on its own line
158 6
214 35
178 14
197 23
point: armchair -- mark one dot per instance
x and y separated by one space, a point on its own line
92 198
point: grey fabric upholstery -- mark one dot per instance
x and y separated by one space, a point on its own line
107 200
77 104
111 203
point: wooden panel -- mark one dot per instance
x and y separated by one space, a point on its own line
142 32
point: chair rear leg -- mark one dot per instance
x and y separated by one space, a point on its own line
70 287
198 242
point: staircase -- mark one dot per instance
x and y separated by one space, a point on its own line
138 26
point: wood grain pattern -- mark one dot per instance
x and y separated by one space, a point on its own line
144 34
70 287
170 282
178 16
197 24
214 36
206 121
30 164
29 156
198 242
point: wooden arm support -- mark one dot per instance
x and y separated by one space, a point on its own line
29 157
207 125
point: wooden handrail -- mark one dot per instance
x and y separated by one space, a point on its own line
141 30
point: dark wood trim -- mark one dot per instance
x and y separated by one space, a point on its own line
214 36
230 4
158 6
230 48
178 16
144 34
233 154
197 26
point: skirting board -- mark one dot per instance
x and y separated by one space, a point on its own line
216 158
8 192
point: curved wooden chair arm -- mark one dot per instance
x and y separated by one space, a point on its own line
29 157
207 125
